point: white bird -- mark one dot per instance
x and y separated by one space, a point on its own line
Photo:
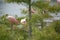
23 21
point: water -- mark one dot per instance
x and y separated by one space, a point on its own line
1 6
14 9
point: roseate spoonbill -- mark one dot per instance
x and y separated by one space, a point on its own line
58 1
23 21
32 10
12 19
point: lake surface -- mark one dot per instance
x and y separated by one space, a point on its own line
13 9
16 9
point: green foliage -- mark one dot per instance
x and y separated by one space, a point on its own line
46 6
57 26
41 5
54 8
18 1
47 33
24 11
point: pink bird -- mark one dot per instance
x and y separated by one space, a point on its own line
58 1
12 19
32 10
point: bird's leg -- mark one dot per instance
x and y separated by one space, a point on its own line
11 26
12 31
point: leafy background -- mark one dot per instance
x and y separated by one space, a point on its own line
51 32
